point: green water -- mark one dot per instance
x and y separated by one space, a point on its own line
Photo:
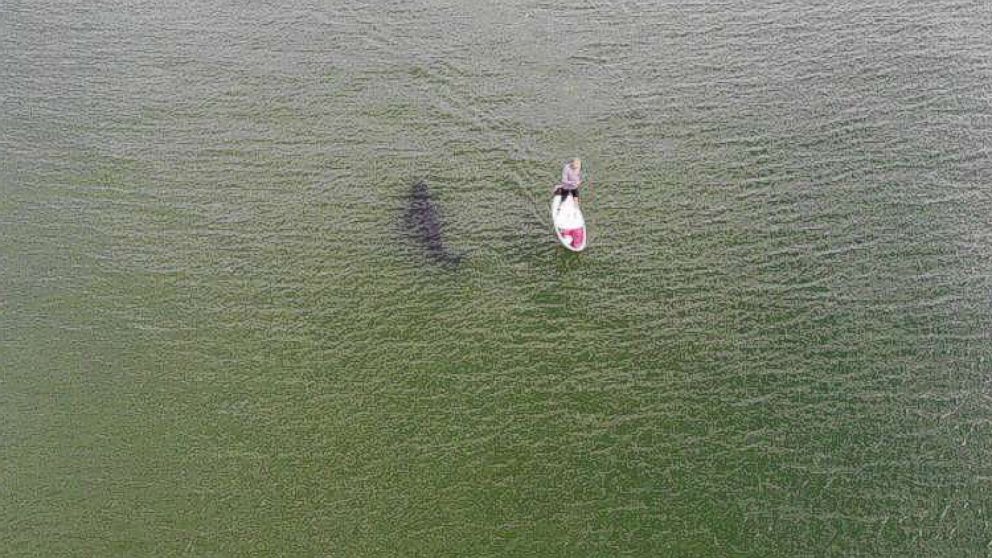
217 339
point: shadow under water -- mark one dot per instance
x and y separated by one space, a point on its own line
423 223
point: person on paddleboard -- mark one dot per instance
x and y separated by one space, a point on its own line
571 179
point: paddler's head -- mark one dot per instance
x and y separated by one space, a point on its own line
576 163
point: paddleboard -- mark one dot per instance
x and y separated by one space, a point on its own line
570 226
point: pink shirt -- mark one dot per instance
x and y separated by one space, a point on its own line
570 178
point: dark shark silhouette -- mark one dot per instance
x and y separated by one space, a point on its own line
424 224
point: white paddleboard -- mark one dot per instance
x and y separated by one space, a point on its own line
570 226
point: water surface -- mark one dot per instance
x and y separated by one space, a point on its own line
218 336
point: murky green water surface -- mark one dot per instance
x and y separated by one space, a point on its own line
217 337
